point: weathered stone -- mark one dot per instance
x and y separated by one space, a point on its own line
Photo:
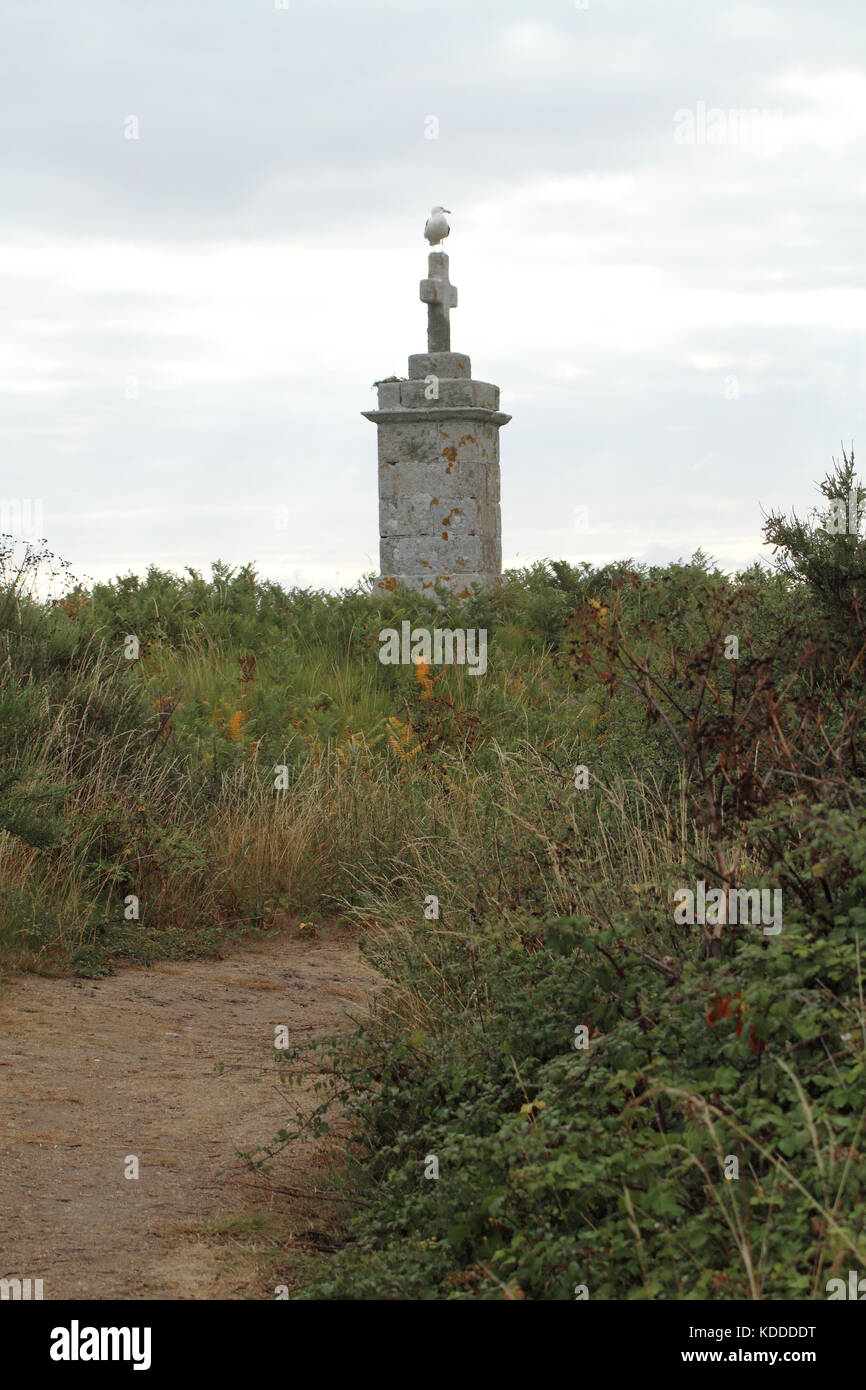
401 554
491 553
411 477
462 585
414 554
389 395
463 441
467 415
467 516
492 480
441 364
407 439
470 478
486 395
439 462
387 482
440 296
422 514
449 391
409 516
439 394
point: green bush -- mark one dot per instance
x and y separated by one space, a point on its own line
605 1166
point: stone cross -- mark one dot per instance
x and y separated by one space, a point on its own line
439 512
440 296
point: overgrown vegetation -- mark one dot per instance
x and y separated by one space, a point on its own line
615 1103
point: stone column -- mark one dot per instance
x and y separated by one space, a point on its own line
438 432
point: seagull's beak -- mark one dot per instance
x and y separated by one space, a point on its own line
448 210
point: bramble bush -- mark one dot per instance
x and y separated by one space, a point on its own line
605 1167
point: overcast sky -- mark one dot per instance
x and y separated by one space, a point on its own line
670 295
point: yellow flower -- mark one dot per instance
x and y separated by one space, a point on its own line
601 613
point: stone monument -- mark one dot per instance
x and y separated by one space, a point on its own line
439 461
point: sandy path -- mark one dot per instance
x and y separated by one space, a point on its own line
94 1070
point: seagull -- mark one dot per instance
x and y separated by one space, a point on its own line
436 227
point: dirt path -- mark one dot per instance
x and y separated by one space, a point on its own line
94 1070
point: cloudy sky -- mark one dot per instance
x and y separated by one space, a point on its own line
211 242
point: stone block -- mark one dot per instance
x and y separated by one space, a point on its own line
413 555
386 556
441 364
442 517
414 515
460 584
466 516
387 481
450 392
467 553
417 554
406 439
437 479
389 395
468 439
470 479
486 395
394 517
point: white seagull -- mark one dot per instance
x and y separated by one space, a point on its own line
436 227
